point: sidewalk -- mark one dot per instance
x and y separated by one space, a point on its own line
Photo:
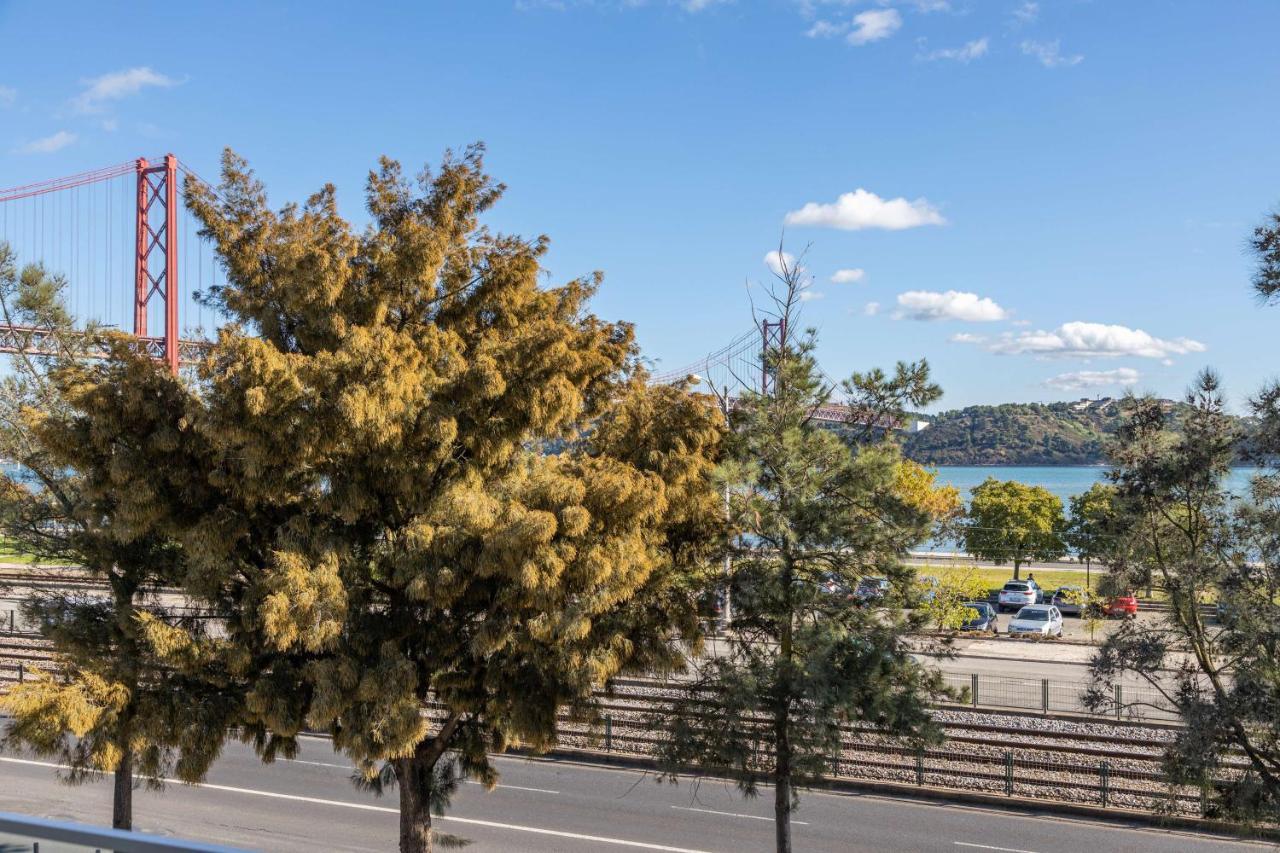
1025 650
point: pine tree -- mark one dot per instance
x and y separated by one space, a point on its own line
1177 527
117 707
812 513
424 481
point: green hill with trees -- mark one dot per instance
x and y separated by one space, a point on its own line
1019 434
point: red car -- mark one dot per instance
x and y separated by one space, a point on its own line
1122 606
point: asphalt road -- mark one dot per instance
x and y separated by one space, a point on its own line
545 805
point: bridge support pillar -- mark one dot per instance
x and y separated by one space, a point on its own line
157 234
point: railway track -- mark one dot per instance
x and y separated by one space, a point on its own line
1062 757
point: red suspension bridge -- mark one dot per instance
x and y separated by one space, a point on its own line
128 250
133 259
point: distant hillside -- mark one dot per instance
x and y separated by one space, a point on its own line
1018 434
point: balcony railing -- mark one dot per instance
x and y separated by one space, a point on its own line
23 834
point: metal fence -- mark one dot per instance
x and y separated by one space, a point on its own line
1126 702
1092 773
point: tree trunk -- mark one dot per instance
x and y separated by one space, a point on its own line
1016 565
122 801
415 776
412 777
782 802
782 721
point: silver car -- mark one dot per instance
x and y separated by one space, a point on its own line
1067 599
1036 620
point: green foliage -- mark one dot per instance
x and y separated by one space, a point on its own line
1089 530
1182 530
811 515
1022 434
1265 246
1013 522
1016 434
361 492
119 705
942 604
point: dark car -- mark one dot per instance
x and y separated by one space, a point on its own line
1068 600
982 618
836 587
872 589
711 609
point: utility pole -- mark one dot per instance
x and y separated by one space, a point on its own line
727 611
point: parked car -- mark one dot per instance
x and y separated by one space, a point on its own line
1039 590
871 589
982 618
1017 594
1036 620
1068 600
1122 606
836 587
711 609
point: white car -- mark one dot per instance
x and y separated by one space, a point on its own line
1036 620
1017 594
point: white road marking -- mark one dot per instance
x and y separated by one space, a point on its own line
735 814
989 847
536 830
468 781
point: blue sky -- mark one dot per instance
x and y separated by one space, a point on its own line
1048 200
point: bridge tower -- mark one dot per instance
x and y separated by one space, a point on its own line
773 336
156 260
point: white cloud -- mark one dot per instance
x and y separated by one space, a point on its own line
1026 13
1093 340
874 25
776 261
48 144
871 309
964 54
117 85
967 338
850 276
1082 379
825 29
952 305
862 209
1049 54
811 295
8 95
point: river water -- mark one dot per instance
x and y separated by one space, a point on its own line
1063 481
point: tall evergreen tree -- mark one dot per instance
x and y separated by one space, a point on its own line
1181 530
117 707
812 513
1265 246
421 480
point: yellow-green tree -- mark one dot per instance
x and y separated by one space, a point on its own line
1011 522
944 605
425 481
117 706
